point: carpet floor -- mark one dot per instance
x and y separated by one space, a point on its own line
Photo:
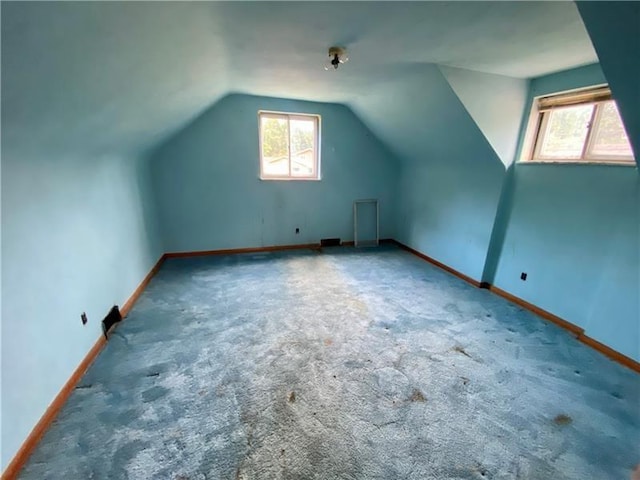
339 364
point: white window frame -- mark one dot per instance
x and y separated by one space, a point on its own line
316 144
539 118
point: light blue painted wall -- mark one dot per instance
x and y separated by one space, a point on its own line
580 77
450 175
78 235
210 196
447 212
78 222
574 230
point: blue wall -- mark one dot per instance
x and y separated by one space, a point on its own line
77 235
210 196
450 175
447 212
580 77
574 230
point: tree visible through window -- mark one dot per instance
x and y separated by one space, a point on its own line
289 146
582 126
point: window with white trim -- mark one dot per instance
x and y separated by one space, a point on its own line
582 126
289 146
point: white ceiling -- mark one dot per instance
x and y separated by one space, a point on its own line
98 77
269 44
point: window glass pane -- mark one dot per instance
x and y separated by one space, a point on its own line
566 132
610 139
302 147
275 146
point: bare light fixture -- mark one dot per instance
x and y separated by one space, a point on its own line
337 55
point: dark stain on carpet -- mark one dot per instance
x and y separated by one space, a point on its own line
417 396
461 350
562 419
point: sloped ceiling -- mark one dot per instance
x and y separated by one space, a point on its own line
495 102
94 77
427 122
100 77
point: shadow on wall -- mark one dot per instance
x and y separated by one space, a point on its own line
501 221
209 195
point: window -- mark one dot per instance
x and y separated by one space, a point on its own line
581 126
289 146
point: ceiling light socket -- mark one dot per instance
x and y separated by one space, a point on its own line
336 55
340 51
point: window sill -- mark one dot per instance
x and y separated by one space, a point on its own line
289 179
577 162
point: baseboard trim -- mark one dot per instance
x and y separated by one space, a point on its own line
271 248
50 414
233 251
29 445
610 352
573 328
438 264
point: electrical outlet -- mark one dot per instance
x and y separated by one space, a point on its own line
84 319
523 276
297 230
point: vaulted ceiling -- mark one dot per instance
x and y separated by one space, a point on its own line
94 78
